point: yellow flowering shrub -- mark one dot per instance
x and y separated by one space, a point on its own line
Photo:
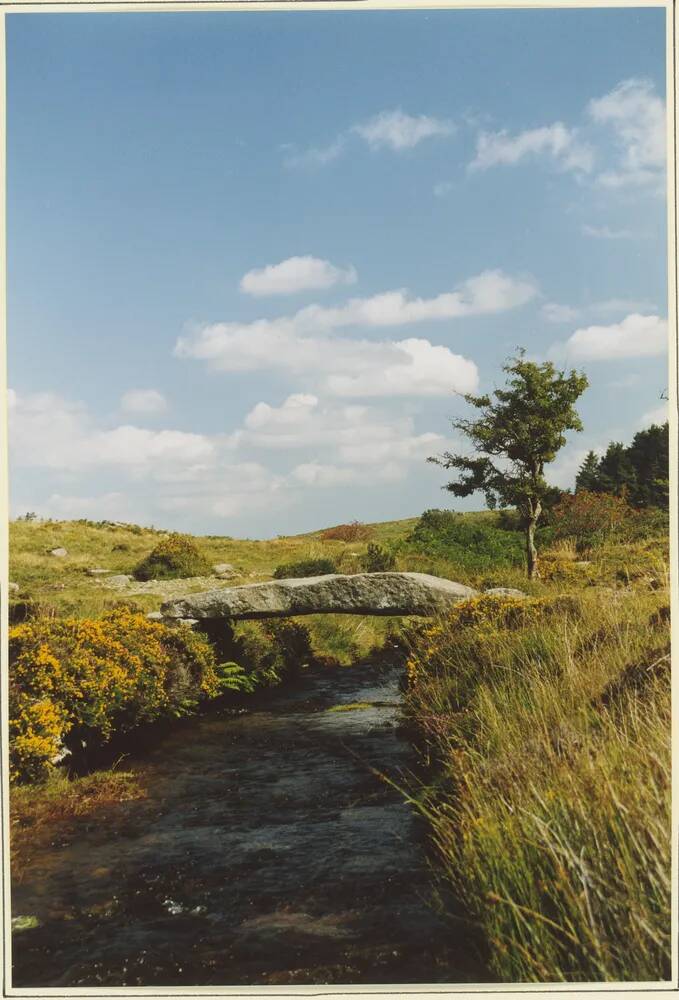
485 617
99 675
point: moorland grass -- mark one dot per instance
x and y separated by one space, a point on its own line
547 728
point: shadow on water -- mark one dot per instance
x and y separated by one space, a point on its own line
267 851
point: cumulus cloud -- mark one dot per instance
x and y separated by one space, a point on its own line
296 274
49 431
561 144
330 444
352 433
636 115
143 401
304 341
397 130
636 336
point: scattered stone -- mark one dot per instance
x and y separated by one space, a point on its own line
97 571
505 592
360 593
13 587
59 553
223 569
155 616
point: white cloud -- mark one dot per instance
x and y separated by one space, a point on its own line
636 114
555 313
656 416
296 274
606 233
113 506
316 474
353 433
317 156
562 144
143 401
301 343
632 114
394 130
51 432
636 336
397 131
423 369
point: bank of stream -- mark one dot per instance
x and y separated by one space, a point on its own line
267 851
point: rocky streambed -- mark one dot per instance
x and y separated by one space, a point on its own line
268 850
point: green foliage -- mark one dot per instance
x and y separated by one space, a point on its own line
99 675
173 558
378 560
588 474
639 471
303 568
233 677
524 428
470 544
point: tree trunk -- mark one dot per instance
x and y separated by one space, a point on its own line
531 551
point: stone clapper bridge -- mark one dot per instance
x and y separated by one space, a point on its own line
357 594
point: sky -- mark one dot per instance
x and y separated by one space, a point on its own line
255 259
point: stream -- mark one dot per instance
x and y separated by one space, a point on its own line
267 852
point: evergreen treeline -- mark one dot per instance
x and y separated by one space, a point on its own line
639 471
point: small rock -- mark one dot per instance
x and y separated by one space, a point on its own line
505 592
59 553
223 569
119 581
13 587
98 572
155 616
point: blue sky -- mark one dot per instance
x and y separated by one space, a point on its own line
255 257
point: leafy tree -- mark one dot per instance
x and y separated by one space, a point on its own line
588 477
515 436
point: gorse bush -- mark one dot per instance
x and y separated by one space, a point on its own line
68 676
378 560
353 532
305 567
173 558
549 722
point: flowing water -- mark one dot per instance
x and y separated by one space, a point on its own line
267 851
